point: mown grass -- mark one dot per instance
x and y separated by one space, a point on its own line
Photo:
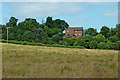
23 61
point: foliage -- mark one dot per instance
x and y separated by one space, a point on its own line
91 31
105 31
113 39
61 24
93 44
100 38
118 30
51 33
12 22
102 45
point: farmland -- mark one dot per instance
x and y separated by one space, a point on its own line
24 61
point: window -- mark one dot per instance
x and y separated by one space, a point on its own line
68 35
75 34
67 31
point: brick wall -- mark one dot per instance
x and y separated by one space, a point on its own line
74 32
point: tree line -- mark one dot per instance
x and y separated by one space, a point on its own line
51 32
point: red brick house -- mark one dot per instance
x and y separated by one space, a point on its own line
74 32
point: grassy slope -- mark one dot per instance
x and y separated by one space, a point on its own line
48 62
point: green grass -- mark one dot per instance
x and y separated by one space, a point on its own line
24 61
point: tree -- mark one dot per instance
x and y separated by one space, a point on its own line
113 32
27 36
118 30
102 45
29 24
56 38
113 39
91 31
111 45
68 41
12 22
4 32
93 44
105 31
61 24
100 38
84 41
39 35
49 22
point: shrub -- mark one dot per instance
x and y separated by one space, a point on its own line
100 38
93 44
102 45
113 39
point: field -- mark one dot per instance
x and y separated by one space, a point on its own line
24 61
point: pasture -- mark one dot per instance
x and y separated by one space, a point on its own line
25 61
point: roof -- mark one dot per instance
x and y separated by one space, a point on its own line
76 28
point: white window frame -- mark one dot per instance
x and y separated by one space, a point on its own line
68 31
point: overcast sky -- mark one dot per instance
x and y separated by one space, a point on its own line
76 14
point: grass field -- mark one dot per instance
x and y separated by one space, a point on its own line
23 61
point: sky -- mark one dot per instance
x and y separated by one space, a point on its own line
76 14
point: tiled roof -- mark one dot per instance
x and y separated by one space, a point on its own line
76 28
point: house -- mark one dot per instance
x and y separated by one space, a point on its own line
74 32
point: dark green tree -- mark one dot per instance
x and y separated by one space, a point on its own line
61 24
118 30
49 22
113 32
4 32
113 39
91 31
105 31
93 44
12 22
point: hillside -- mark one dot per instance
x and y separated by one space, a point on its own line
23 61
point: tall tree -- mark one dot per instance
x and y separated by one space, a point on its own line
61 24
12 22
49 22
91 31
113 32
105 31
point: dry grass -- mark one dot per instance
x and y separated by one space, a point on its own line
22 61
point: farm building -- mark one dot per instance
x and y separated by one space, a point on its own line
74 32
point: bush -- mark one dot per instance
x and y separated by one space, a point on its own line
25 43
100 38
68 41
113 39
93 44
102 45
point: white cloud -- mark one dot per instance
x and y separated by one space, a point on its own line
111 14
41 10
